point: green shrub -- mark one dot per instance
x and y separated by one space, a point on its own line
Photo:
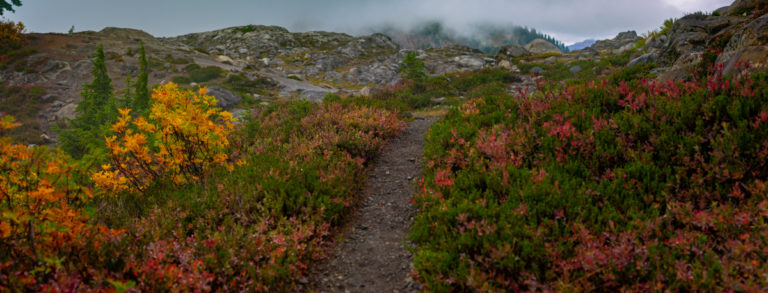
667 27
196 73
246 29
181 79
240 83
599 186
205 74
178 61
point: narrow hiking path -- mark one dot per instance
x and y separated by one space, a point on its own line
371 256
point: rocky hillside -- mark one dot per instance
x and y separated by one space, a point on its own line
732 37
258 63
251 62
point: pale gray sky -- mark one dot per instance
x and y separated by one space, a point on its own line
567 20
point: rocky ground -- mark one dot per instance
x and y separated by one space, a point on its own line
371 257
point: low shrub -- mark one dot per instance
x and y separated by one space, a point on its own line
23 102
240 83
43 230
639 186
186 204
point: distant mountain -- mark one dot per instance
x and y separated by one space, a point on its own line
581 45
484 37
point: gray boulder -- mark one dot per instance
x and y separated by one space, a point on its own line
332 75
575 69
621 40
586 53
471 62
511 51
541 46
224 97
49 98
314 96
644 59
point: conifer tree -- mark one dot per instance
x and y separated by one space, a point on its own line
8 5
95 113
98 95
141 91
413 67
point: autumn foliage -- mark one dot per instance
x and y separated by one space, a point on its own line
183 137
41 226
11 36
188 201
633 186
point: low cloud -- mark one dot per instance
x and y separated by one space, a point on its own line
567 20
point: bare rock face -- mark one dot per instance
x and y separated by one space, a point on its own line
511 51
224 97
748 45
314 54
743 27
540 46
621 40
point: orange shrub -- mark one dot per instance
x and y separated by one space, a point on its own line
184 135
39 225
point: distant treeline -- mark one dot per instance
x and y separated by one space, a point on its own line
484 37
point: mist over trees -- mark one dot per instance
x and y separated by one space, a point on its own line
484 37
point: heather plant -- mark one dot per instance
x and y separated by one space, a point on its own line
626 186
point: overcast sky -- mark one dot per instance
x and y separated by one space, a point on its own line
567 20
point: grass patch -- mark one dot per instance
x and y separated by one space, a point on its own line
198 74
23 102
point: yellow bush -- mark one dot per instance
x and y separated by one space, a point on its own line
184 135
11 35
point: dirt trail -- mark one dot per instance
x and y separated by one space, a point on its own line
372 257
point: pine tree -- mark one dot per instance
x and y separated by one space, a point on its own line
413 67
8 5
96 112
97 95
141 90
